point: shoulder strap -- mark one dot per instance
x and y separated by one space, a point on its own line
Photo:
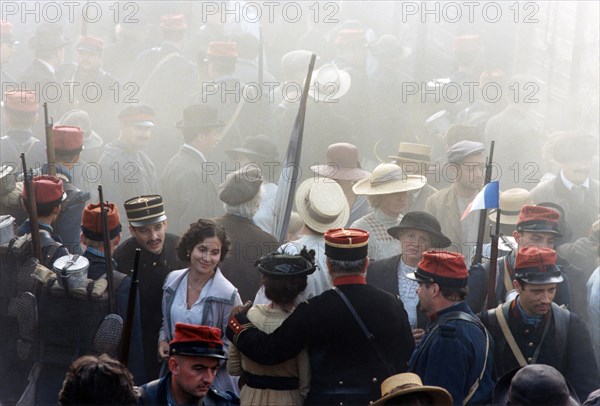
562 319
507 279
370 337
509 337
156 68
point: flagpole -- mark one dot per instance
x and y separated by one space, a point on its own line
286 188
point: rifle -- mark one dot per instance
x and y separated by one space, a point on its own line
50 153
483 215
491 296
32 210
126 340
107 253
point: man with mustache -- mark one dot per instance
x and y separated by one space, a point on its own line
148 228
572 188
126 168
531 329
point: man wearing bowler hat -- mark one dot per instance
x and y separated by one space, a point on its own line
189 180
148 228
531 329
356 335
195 355
456 351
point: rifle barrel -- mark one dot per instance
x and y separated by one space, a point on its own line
107 252
483 213
126 340
32 210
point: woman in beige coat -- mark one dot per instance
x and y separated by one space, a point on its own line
284 278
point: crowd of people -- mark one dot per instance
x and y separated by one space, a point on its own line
177 289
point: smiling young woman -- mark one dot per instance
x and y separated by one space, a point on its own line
200 294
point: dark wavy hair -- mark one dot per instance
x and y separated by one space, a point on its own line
93 380
198 232
283 290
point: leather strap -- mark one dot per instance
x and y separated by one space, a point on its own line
370 337
509 337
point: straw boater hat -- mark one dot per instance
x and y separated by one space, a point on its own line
511 202
406 383
329 84
411 152
321 204
387 179
342 163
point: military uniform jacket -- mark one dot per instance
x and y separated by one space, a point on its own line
478 284
451 354
189 190
248 243
570 353
153 269
345 367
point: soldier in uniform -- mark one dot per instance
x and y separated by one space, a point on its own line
356 335
195 354
201 132
127 170
241 196
92 88
68 144
7 44
49 195
536 226
531 329
20 114
148 228
92 240
456 351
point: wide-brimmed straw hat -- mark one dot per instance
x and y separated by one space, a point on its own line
342 163
329 84
511 203
411 152
322 204
406 383
387 179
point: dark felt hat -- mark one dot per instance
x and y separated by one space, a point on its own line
279 264
257 147
420 220
200 116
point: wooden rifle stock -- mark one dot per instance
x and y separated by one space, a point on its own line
50 152
491 296
32 210
107 253
126 339
483 214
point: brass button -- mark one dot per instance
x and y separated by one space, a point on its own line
529 360
530 345
341 382
154 264
374 380
526 331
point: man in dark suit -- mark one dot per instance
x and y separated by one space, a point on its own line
573 189
241 197
356 335
201 132
418 232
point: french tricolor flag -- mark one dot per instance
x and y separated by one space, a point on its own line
488 198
